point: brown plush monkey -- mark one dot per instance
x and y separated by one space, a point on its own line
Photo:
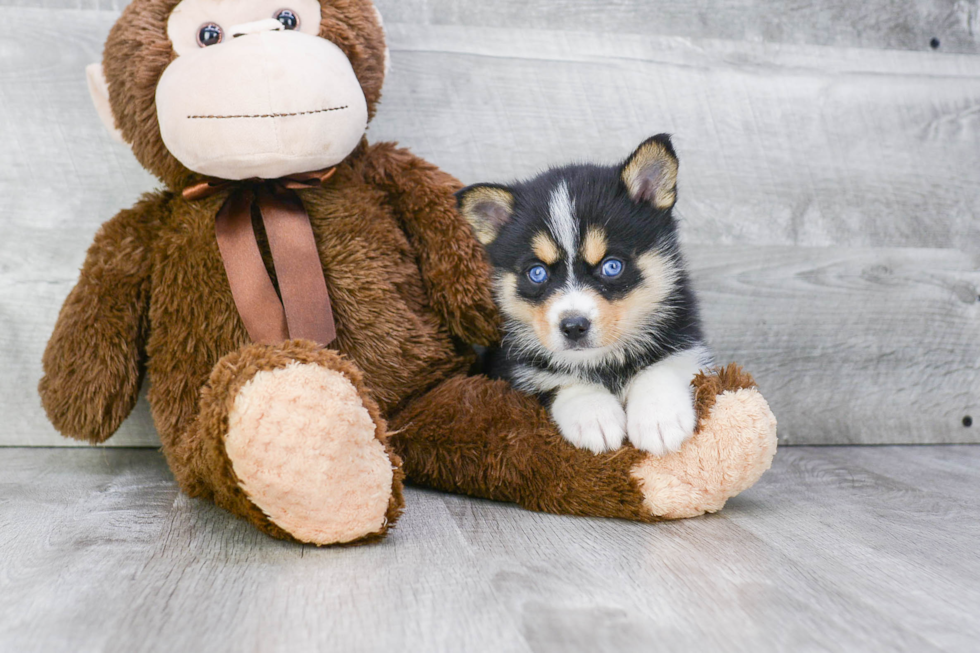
288 394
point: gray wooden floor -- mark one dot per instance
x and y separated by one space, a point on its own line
837 548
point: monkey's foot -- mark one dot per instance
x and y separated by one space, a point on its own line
289 438
734 446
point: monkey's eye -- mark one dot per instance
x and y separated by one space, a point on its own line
209 34
288 18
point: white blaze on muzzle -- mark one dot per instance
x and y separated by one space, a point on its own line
571 302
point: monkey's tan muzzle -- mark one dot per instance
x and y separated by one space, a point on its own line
266 104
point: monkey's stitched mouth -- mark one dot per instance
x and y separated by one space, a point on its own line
268 115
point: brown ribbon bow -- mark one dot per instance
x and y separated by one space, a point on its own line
304 311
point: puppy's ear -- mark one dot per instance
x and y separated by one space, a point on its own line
487 207
650 174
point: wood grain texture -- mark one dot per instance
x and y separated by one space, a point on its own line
877 24
60 178
885 24
778 145
781 147
861 346
834 549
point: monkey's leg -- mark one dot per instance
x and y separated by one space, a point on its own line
288 438
479 437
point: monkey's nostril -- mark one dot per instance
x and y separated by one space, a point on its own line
575 327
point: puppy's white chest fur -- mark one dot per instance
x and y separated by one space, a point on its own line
655 410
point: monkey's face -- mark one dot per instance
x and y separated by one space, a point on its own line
238 89
255 92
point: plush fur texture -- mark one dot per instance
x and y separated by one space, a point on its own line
307 453
204 468
480 437
406 278
734 448
410 287
138 50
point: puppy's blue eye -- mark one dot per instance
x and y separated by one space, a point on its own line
612 267
538 274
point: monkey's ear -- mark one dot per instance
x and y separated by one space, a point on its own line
487 207
99 90
650 173
381 21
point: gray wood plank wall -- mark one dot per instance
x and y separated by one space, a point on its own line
891 24
830 161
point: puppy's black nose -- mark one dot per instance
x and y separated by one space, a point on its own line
575 327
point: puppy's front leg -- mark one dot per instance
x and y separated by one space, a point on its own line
660 414
590 417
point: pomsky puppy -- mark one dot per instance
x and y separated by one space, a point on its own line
600 320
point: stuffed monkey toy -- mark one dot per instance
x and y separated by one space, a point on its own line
301 301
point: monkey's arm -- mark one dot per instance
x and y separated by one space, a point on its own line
453 264
94 361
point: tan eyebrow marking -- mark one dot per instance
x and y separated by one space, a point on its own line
594 246
625 316
544 248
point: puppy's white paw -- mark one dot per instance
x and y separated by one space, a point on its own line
590 417
660 415
661 423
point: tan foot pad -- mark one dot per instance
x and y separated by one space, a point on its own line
733 448
304 449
